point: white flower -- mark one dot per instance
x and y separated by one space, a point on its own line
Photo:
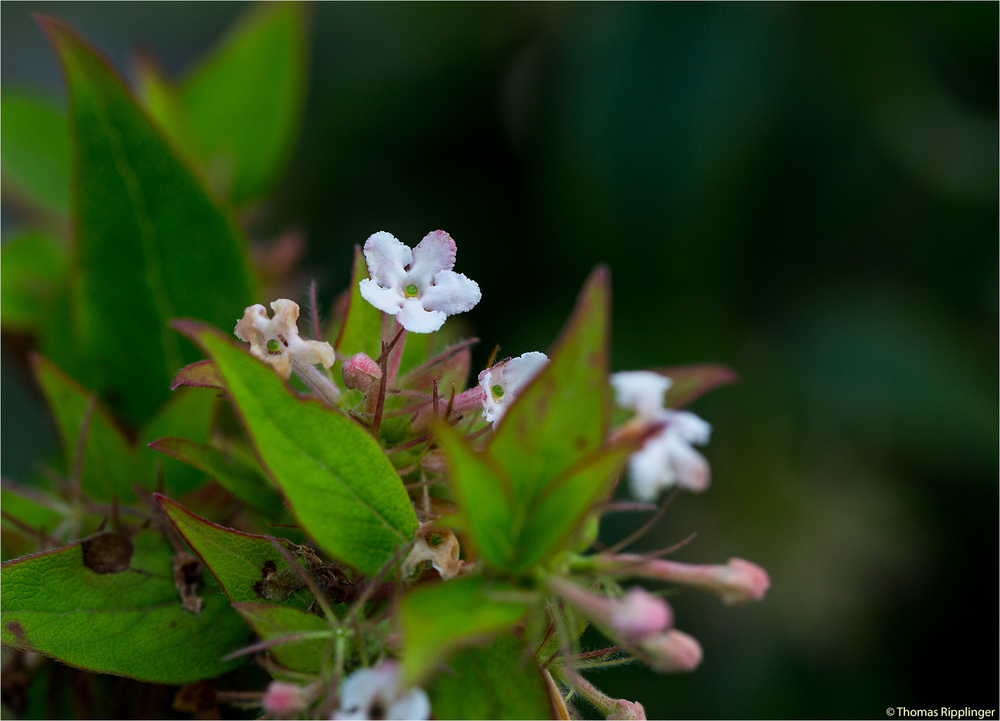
667 458
276 340
374 693
504 381
439 546
417 286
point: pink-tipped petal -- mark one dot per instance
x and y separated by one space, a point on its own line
387 259
387 300
690 467
451 293
639 614
673 651
433 254
417 320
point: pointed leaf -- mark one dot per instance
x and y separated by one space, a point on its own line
239 561
245 99
162 99
339 483
110 464
191 413
129 622
241 479
692 382
150 242
200 374
272 622
32 269
443 617
563 414
501 681
34 148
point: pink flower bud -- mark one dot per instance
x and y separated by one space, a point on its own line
672 651
627 711
636 615
736 582
284 700
361 373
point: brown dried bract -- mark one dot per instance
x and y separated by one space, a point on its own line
188 573
107 552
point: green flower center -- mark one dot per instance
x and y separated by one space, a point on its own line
497 391
273 346
410 290
435 540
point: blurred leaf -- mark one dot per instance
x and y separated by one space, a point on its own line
32 507
110 464
150 242
563 414
500 681
238 560
129 623
200 374
692 382
190 413
35 148
241 479
245 100
483 494
270 622
32 269
162 99
440 618
361 331
339 483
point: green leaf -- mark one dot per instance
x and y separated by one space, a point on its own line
129 623
692 382
35 149
272 622
239 561
33 508
485 509
443 617
239 478
564 413
32 269
245 100
361 331
150 242
162 99
110 464
339 483
187 412
500 681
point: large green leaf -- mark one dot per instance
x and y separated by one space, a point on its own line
34 148
151 244
129 622
443 617
32 268
241 479
239 561
564 413
245 99
339 483
500 681
110 464
272 622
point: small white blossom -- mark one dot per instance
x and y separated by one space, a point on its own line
503 382
437 545
374 693
417 286
276 340
667 458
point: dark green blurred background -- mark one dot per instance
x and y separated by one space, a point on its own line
805 192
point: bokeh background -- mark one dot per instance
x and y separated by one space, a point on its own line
807 193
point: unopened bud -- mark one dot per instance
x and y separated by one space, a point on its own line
736 582
284 700
361 373
636 615
672 651
627 711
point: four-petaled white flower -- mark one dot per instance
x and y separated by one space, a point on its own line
375 693
667 458
276 340
503 382
417 286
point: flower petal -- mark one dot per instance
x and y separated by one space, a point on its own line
451 293
286 316
642 391
436 252
415 319
690 427
387 259
387 300
414 704
251 326
649 470
520 371
690 468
